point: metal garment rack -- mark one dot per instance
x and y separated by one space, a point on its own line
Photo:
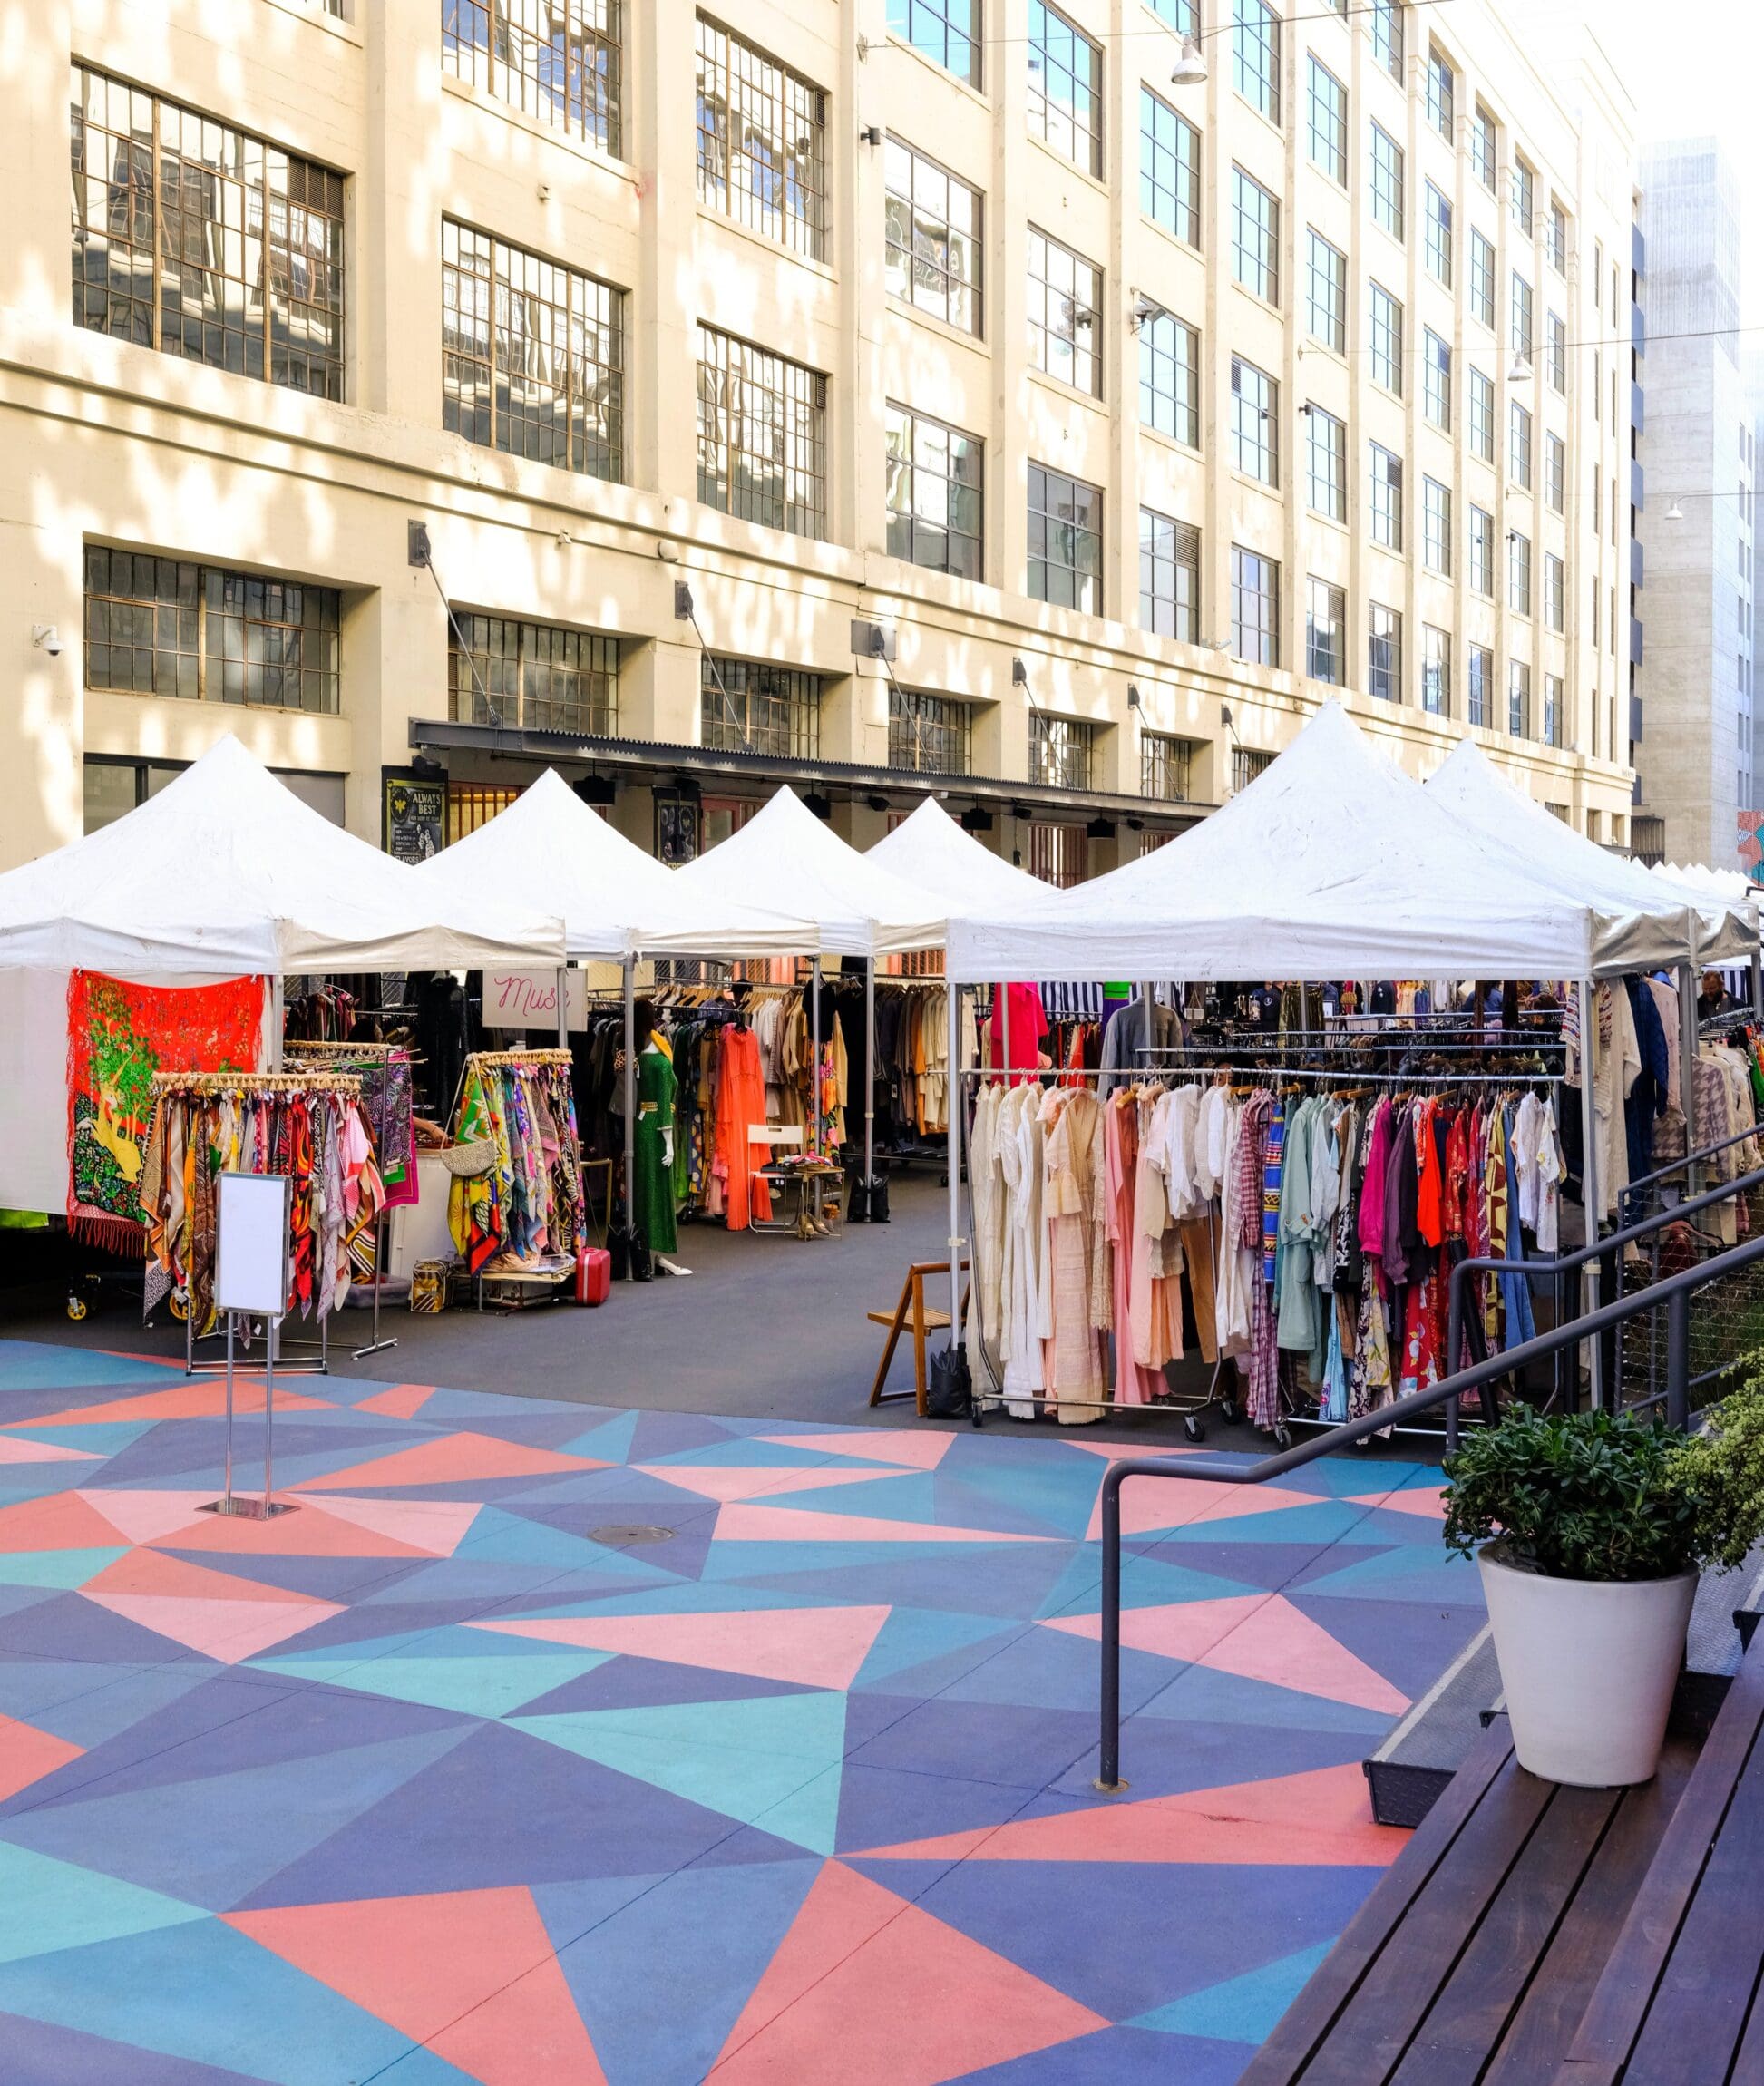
306 1358
1170 1063
383 1222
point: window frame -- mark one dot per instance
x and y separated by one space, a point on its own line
1181 151
911 466
1326 439
797 412
755 82
1256 34
1260 434
1080 532
1326 122
1326 661
1182 561
1334 279
1435 527
1385 340
1256 209
925 257
1254 581
1387 184
1182 358
1384 673
1384 502
1086 360
1062 126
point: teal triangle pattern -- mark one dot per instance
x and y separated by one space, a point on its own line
1243 2009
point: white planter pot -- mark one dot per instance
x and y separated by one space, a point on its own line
1588 1668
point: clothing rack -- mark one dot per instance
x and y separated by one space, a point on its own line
383 1222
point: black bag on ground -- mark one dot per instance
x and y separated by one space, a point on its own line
948 1394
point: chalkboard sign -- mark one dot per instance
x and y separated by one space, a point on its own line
416 817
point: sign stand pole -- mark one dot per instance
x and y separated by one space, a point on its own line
251 1276
225 1506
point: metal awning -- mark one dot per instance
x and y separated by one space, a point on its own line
658 761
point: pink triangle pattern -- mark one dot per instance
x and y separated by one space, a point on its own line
814 1647
878 1445
1257 1636
744 1522
731 1482
1153 1504
904 1998
16 1448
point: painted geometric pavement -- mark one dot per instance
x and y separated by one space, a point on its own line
422 1784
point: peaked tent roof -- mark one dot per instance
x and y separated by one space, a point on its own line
933 851
1469 782
615 901
786 860
1330 864
227 872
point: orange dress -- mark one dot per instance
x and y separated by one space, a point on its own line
741 1101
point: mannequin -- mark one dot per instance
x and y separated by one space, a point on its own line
653 1171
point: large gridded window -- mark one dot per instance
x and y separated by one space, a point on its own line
1520 331
1482 553
761 142
1436 380
1058 855
1326 292
1065 88
1437 527
1326 465
1442 88
1556 335
532 355
936 495
1325 633
1482 278
1385 29
1255 55
761 435
1387 342
1436 671
1327 104
1553 706
559 61
752 706
1169 576
1518 572
947 32
1479 685
1556 473
1387 181
1254 422
1556 592
1254 237
1386 510
934 237
1482 148
1166 768
1520 195
1558 238
1254 607
1169 169
1061 750
166 626
929 734
1064 315
1437 229
1384 653
1482 415
203 241
1170 378
1066 540
532 677
1518 698
1518 445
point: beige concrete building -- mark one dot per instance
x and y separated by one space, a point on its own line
928 391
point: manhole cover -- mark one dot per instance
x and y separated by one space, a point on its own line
626 1532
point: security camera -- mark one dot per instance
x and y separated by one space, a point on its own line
47 639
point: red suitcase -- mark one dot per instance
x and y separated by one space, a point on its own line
593 1275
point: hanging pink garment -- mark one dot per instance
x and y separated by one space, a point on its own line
1133 1385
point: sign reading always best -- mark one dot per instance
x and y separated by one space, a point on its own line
529 1000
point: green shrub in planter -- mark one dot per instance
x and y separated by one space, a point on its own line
1611 1497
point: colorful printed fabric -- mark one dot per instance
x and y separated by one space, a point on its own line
118 1037
1274 1158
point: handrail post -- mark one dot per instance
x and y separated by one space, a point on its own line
1108 1766
1678 1360
1454 1284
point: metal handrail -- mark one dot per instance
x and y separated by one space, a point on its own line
1674 1291
1689 1159
1566 1263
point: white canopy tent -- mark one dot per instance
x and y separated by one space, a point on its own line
931 851
1475 789
224 874
617 903
787 861
227 872
1330 864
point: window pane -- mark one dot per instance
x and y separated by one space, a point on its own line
1255 55
934 237
760 143
1169 576
761 435
534 676
1066 540
1064 315
1255 237
559 61
935 494
1169 169
1065 88
1255 425
948 32
1169 378
752 705
1254 607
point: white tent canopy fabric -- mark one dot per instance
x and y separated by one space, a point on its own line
786 860
931 851
615 901
226 872
1471 785
1330 864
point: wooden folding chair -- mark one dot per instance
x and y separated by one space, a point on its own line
911 1309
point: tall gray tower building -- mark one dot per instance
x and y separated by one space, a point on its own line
1697 448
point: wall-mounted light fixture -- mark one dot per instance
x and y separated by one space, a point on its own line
1133 696
1019 674
871 134
683 605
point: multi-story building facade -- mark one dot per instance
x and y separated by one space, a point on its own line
906 394
1695 762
